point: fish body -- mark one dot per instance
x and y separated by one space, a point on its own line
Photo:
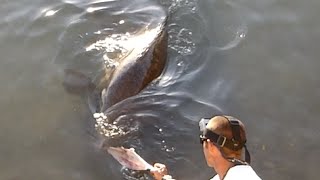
118 64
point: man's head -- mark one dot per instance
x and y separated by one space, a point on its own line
224 138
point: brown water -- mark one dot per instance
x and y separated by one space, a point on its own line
256 60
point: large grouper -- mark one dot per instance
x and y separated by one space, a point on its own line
112 52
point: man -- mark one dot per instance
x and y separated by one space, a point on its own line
223 139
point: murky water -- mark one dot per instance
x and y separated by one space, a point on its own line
256 60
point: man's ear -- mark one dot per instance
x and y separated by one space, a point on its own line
210 145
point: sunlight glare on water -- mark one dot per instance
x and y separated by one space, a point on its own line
50 12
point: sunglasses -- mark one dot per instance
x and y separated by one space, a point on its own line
202 139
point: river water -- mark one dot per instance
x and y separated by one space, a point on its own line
255 60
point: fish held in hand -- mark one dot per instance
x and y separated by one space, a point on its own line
130 159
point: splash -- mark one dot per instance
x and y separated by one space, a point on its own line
116 47
105 128
175 5
181 36
113 48
181 40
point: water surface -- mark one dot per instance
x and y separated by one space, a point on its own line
256 60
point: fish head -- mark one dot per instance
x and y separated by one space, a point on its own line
119 152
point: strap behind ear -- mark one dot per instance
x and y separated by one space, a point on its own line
235 127
247 155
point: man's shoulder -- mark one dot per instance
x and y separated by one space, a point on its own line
239 172
216 177
242 171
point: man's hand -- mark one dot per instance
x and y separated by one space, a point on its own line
161 172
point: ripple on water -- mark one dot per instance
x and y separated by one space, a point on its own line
239 35
226 24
